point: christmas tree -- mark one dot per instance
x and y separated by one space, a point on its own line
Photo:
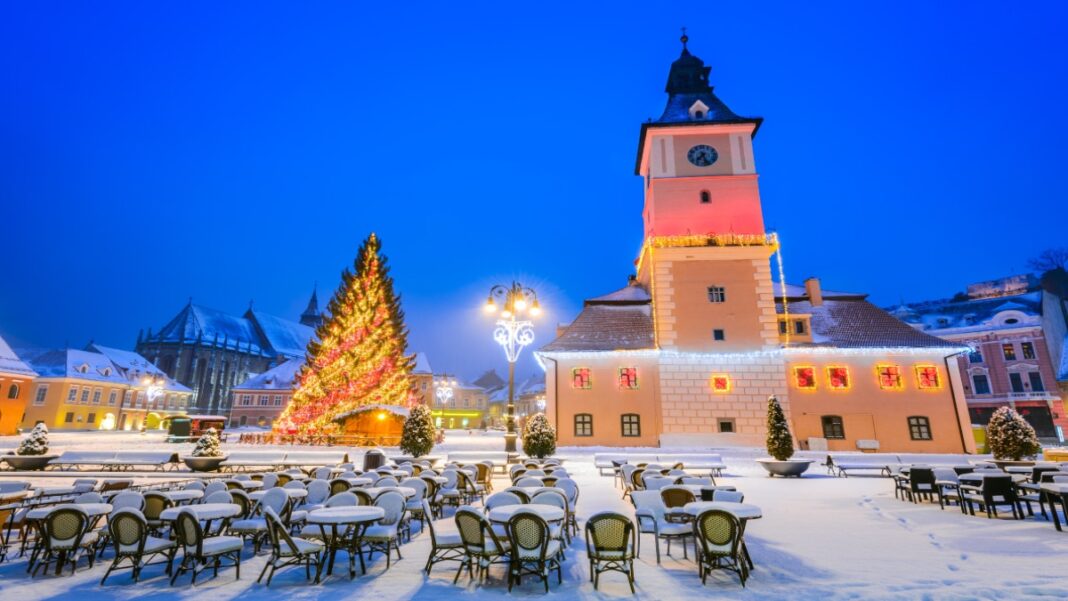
208 445
1009 436
36 443
780 443
359 358
417 438
539 437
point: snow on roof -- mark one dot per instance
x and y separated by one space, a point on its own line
128 361
535 384
797 293
422 364
632 293
490 381
860 324
10 362
977 314
1062 373
73 363
195 323
287 338
606 328
281 377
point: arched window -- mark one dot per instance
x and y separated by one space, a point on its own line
13 392
583 424
706 197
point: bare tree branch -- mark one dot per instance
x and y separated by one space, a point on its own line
1051 258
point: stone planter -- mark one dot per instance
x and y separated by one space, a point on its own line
1004 463
790 467
204 464
28 463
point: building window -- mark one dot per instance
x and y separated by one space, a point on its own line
919 428
69 418
838 377
96 396
976 356
889 377
717 294
85 396
718 335
832 427
42 392
698 114
1027 349
1009 352
73 394
706 197
113 397
583 424
1036 381
580 378
632 424
721 383
927 377
246 399
244 420
277 400
805 377
628 378
981 384
1016 382
726 426
261 421
13 391
784 328
91 419
799 327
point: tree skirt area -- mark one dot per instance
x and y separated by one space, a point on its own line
820 537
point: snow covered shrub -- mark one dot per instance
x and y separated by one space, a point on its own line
417 438
36 443
539 437
1009 436
780 443
208 445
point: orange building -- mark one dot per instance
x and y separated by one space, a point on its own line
15 379
688 353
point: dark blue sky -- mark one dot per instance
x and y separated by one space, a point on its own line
237 151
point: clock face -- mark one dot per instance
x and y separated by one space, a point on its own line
702 155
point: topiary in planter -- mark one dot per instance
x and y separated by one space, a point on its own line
417 438
208 445
1009 436
36 443
539 437
780 443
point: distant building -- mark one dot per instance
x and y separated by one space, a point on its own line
260 400
211 351
100 388
15 388
423 380
1017 328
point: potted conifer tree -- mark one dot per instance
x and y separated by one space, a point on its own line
781 445
32 452
539 437
417 437
207 455
1011 438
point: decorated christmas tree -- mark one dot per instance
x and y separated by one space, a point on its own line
780 443
208 445
36 443
539 437
1009 436
417 438
359 358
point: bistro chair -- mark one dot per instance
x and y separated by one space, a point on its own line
242 500
219 496
995 490
728 496
947 486
318 492
64 535
338 485
610 544
87 498
481 546
921 483
533 550
383 536
502 498
444 546
255 526
155 504
214 487
323 473
523 496
200 552
652 519
130 533
287 550
719 544
674 499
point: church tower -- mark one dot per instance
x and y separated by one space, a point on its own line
311 316
705 257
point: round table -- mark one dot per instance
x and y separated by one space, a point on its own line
742 511
293 493
374 491
336 518
504 513
357 481
12 496
90 509
183 496
203 512
248 484
696 489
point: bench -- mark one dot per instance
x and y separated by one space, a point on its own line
241 460
315 458
698 462
842 464
499 459
116 460
70 460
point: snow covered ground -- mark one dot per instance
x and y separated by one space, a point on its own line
821 537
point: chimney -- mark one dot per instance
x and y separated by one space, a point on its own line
813 292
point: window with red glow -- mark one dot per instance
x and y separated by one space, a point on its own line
889 377
628 378
805 377
580 378
927 376
721 383
838 377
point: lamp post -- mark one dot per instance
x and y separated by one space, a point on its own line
153 389
444 391
512 332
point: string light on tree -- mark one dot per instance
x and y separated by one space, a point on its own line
513 331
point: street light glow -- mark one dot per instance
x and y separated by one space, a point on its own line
513 335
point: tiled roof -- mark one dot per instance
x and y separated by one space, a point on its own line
606 328
860 324
631 294
277 378
10 363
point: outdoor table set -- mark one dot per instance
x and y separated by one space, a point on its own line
549 513
204 512
343 528
743 511
38 516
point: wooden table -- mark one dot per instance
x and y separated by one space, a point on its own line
358 518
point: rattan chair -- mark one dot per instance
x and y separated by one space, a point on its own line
675 498
155 504
532 550
385 534
288 551
718 537
63 536
200 552
481 546
130 534
610 545
444 546
652 519
338 485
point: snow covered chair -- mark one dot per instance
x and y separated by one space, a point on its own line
651 515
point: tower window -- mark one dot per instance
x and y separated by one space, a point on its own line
706 197
717 294
718 335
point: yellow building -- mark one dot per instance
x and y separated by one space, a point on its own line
100 389
15 383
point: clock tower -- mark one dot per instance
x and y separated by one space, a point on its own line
705 257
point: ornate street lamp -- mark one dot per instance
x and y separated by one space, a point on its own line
444 391
154 386
513 333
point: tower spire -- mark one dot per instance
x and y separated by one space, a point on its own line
684 39
311 316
